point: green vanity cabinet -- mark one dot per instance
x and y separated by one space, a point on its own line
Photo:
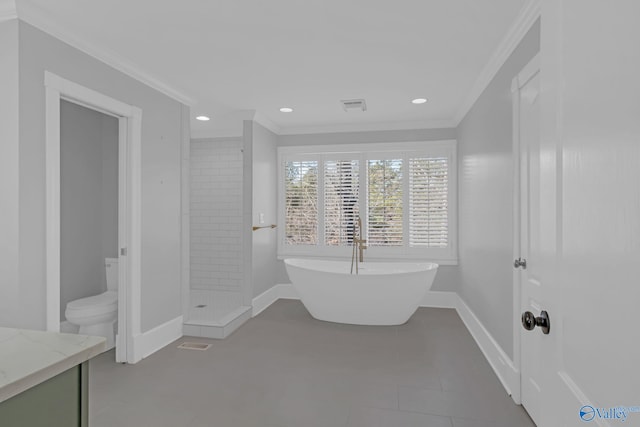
44 377
61 401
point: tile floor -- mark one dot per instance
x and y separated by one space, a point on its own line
285 369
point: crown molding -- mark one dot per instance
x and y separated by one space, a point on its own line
236 131
262 120
523 23
367 127
31 14
8 10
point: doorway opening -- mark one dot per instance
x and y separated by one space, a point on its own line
88 221
129 123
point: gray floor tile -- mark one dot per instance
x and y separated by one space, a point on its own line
428 401
285 369
300 411
515 421
374 417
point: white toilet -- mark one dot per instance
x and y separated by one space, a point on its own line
97 315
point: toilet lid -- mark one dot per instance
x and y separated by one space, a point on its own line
103 300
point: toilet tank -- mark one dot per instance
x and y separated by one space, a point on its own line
111 266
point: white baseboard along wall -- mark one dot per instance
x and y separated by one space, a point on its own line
154 339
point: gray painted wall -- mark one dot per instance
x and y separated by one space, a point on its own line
446 279
88 200
161 139
486 200
9 173
264 200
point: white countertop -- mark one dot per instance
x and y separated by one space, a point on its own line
28 358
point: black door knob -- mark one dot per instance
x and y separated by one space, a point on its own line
529 321
520 263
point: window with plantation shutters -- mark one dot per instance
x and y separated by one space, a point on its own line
384 202
301 202
341 201
405 194
428 202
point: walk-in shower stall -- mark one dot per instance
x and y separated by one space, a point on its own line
217 262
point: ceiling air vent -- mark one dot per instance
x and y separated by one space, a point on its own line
353 104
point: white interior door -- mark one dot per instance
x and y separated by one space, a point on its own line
590 155
528 251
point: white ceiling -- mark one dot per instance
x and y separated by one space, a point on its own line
230 56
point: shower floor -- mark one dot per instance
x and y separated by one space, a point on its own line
213 307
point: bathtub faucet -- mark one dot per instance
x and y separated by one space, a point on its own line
359 245
362 243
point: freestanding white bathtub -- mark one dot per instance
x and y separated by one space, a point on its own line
383 293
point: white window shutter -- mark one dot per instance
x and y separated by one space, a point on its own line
341 194
428 202
301 202
384 202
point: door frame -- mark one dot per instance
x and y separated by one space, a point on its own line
129 211
518 82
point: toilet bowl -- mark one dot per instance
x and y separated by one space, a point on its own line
97 315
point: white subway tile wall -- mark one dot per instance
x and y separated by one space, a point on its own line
216 219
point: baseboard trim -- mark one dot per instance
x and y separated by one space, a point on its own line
153 340
501 364
288 292
271 295
264 300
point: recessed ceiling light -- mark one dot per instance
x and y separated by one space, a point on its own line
286 110
203 118
419 100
